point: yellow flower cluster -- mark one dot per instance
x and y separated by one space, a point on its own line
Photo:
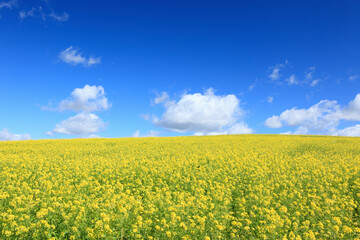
214 187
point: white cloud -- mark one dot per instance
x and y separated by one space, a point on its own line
88 99
275 74
240 128
286 133
59 17
136 134
92 136
270 99
83 100
309 78
314 82
72 56
318 117
5 135
203 114
273 122
40 13
292 80
321 118
353 77
309 75
353 131
151 133
80 124
28 13
9 4
253 85
352 111
163 98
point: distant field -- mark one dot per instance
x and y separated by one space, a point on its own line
216 187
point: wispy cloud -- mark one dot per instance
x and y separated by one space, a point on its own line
39 12
275 74
309 78
253 85
28 13
9 4
354 77
59 17
275 70
292 80
73 56
314 82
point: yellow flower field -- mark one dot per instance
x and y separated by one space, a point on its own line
215 187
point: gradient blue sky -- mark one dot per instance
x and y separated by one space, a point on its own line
261 58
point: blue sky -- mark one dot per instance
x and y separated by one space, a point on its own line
167 68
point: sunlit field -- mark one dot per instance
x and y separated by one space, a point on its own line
216 187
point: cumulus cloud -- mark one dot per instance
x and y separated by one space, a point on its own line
323 118
353 131
80 124
72 56
84 101
87 99
273 122
5 135
352 111
318 117
203 114
9 4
